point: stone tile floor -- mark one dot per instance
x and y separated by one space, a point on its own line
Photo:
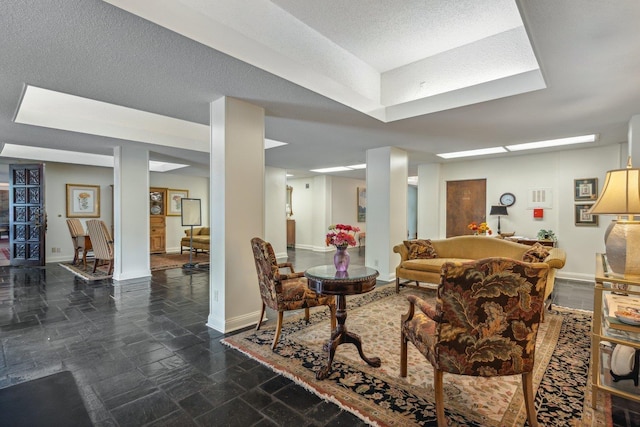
143 356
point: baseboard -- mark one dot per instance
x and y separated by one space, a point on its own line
233 324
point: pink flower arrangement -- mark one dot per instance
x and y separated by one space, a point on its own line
342 235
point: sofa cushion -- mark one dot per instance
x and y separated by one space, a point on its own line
421 249
432 264
537 253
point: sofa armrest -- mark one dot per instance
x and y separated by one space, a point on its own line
403 251
556 258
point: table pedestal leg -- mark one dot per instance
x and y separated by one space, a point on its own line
340 336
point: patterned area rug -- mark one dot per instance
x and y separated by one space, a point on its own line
87 273
158 262
380 397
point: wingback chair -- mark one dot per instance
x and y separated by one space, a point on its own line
102 243
284 291
484 323
78 238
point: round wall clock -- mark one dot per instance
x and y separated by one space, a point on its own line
507 199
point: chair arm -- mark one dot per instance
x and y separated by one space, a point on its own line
429 310
287 265
285 276
402 250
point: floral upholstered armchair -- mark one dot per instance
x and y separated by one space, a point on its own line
284 291
484 323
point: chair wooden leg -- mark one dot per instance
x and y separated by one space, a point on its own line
527 388
261 317
403 354
110 270
306 314
276 338
397 285
95 265
438 386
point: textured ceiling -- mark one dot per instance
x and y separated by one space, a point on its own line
589 54
389 34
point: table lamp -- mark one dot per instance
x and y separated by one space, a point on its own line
499 210
621 196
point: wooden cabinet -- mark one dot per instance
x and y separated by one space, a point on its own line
291 233
157 220
607 284
158 234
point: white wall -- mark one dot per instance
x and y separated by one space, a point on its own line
57 175
344 202
556 171
275 217
343 208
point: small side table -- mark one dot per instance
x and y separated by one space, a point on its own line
326 280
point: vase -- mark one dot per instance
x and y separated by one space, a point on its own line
341 259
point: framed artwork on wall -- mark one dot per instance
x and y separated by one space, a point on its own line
362 204
83 201
586 189
583 217
174 198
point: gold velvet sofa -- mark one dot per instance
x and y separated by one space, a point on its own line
200 240
467 248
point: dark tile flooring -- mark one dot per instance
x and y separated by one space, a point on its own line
142 355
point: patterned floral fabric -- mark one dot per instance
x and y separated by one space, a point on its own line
537 253
421 249
281 291
485 320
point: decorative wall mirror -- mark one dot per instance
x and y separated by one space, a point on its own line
289 207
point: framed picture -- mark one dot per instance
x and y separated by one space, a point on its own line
83 201
174 205
362 204
583 217
586 189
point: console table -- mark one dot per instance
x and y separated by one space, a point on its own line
550 243
607 282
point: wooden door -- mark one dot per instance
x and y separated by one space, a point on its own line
27 217
466 203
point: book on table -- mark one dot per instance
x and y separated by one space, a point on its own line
617 304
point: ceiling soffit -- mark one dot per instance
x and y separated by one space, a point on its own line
332 51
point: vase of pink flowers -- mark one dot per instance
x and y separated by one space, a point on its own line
341 236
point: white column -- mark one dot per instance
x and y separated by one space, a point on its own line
429 201
321 212
275 216
131 213
634 142
237 212
387 174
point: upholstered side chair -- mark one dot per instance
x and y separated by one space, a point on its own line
78 238
284 291
484 323
102 243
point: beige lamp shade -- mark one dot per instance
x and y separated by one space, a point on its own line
621 196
